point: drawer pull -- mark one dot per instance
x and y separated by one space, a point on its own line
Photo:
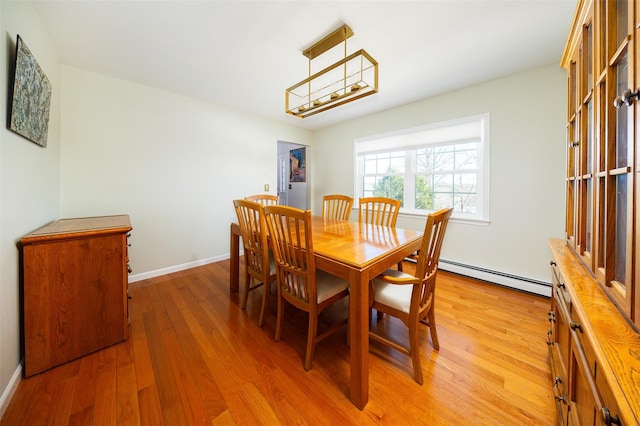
552 263
575 326
608 420
129 269
549 338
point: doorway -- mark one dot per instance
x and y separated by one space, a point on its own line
293 175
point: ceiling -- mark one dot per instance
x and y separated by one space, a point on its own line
244 54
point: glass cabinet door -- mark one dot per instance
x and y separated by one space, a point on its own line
603 97
618 154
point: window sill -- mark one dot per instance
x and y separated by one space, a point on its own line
454 218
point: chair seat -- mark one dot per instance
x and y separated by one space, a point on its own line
392 295
329 285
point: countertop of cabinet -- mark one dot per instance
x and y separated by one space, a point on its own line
77 227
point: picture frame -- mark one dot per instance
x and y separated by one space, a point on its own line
297 165
31 97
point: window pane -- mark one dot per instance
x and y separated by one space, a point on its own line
369 165
390 187
443 183
424 192
442 201
384 165
443 159
466 203
397 164
466 159
422 164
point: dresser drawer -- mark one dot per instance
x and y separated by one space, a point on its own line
609 406
577 329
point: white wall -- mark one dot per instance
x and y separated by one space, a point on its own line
527 167
29 178
173 164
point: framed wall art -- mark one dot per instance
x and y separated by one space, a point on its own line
29 116
297 163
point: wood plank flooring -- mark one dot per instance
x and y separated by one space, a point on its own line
193 357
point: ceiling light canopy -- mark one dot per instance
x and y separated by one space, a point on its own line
353 77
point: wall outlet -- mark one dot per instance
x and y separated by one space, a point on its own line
266 187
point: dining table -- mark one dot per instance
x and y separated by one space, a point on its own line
356 252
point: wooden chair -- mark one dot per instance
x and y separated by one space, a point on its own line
298 281
379 211
336 206
411 298
259 265
264 199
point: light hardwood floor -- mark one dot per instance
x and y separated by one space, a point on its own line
193 357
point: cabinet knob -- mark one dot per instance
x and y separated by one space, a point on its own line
575 326
627 97
608 420
557 381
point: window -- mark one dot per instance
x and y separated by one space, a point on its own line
429 168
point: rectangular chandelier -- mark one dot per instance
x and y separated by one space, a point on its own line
353 77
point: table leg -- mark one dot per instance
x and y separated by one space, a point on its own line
234 258
359 338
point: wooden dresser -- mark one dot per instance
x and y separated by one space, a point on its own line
75 274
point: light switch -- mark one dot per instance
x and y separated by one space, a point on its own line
266 187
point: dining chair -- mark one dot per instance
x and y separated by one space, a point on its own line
299 283
259 265
264 199
411 297
337 206
379 211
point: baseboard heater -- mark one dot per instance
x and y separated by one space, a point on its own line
500 278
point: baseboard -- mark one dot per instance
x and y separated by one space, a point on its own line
11 388
495 277
507 280
177 268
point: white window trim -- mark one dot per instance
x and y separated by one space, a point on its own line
483 218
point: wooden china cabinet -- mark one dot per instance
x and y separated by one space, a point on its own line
593 340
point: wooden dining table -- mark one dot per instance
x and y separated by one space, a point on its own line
357 253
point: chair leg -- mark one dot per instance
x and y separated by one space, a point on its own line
311 341
415 352
279 317
245 295
266 292
432 328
